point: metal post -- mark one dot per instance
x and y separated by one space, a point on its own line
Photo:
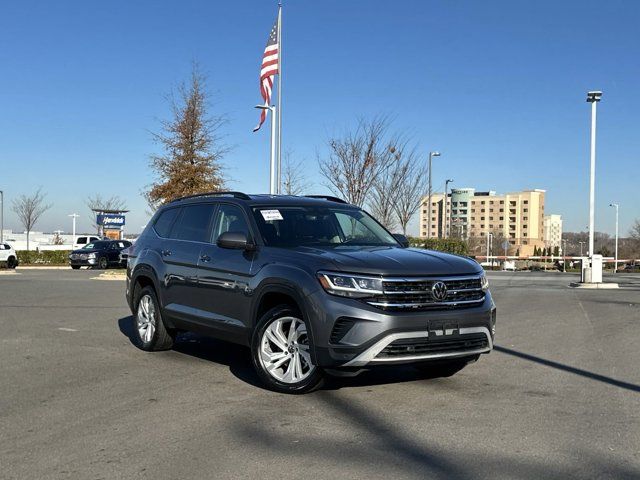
273 172
2 216
74 216
592 179
279 167
581 243
615 268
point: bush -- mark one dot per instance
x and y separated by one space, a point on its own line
46 257
449 245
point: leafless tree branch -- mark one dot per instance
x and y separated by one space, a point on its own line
29 209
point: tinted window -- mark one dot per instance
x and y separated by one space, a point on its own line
82 240
322 226
165 221
193 223
230 219
97 246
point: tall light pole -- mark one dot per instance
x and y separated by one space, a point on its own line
74 216
593 98
564 254
615 269
446 190
431 155
2 216
489 235
274 180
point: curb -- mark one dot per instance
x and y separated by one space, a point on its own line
594 286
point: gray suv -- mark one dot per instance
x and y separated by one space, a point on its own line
311 284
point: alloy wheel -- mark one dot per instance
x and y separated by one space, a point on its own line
284 350
146 318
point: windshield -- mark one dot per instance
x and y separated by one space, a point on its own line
319 226
96 246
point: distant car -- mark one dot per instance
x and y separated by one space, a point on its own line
509 266
83 241
8 256
101 254
631 269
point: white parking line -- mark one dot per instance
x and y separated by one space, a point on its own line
65 329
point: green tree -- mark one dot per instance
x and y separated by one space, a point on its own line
556 251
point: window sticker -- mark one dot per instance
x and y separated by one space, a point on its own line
269 215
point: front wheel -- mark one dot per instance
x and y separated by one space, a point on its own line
11 263
149 332
281 352
75 267
103 263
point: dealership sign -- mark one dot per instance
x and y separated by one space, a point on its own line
109 220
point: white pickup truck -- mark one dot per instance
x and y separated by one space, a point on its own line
8 256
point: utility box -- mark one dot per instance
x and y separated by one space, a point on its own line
592 270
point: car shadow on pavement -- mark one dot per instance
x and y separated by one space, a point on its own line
238 359
568 368
388 446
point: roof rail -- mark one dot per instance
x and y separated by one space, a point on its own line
240 195
327 197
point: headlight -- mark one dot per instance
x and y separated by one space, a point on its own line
354 286
484 283
91 255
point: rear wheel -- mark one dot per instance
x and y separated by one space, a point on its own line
445 368
149 331
11 262
281 352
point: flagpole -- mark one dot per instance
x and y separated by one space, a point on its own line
279 167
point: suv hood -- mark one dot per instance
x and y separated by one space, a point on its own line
393 261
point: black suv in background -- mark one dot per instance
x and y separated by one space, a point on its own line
311 284
101 254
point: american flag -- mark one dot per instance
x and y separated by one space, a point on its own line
270 63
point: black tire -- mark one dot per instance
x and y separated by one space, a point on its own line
445 368
103 263
311 382
75 267
11 263
160 338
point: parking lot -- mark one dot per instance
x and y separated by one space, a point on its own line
558 398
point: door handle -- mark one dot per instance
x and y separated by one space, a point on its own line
205 258
166 253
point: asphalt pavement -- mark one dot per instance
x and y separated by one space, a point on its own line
558 398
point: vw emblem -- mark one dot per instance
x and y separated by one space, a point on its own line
439 291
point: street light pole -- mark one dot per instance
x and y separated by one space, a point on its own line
274 181
446 189
2 216
593 98
581 243
431 155
615 269
74 216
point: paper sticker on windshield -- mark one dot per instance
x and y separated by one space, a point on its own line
271 215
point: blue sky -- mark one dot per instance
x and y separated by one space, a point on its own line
497 86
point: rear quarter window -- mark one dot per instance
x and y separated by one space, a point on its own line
165 220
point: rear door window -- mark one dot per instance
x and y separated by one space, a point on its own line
193 223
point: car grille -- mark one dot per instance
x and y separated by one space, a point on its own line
410 347
417 294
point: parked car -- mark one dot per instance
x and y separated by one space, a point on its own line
629 268
311 285
84 240
8 256
100 254
509 266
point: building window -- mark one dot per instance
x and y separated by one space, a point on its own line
502 210
526 202
524 218
524 234
473 210
525 209
501 202
482 218
524 226
491 227
482 210
501 218
482 202
491 210
490 218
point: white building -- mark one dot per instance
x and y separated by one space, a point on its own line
553 231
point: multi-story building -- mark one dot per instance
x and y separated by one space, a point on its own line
553 231
464 213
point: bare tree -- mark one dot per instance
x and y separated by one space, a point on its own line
193 147
384 193
635 230
294 181
98 202
356 160
29 209
410 187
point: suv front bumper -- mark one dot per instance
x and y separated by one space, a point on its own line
378 337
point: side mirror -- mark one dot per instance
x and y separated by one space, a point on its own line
402 240
235 240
